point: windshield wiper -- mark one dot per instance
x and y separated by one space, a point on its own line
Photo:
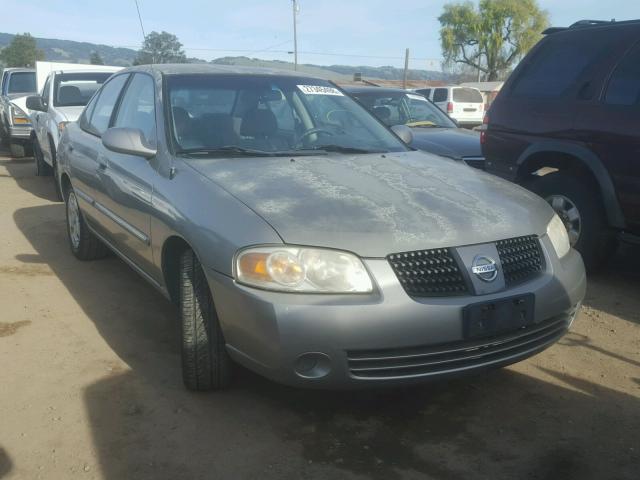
342 149
224 151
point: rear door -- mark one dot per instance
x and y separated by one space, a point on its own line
611 127
128 179
468 104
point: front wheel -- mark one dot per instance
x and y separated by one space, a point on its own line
42 168
84 244
582 212
205 362
56 173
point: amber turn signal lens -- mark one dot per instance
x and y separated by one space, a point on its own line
254 266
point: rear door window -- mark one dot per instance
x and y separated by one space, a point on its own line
467 95
624 86
440 95
101 114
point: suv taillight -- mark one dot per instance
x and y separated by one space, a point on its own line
483 128
449 107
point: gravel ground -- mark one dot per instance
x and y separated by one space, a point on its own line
90 386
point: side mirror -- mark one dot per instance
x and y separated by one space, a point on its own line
129 141
404 132
34 102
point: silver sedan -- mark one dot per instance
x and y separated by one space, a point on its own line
301 238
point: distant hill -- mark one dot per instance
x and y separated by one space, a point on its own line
79 52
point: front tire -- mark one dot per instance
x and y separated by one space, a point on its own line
56 177
205 362
42 168
573 199
84 244
17 150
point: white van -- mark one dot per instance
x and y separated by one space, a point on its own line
464 104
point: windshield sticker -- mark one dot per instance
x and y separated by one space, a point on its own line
413 96
319 90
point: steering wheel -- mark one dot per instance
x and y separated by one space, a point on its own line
311 131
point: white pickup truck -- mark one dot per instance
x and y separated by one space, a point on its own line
62 98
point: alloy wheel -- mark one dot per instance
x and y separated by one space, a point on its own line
569 214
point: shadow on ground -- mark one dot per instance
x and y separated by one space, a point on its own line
22 170
5 463
497 425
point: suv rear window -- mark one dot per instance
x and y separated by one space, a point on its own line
467 95
558 64
440 95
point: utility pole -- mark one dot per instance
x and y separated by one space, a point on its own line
406 68
295 34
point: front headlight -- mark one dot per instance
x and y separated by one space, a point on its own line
302 269
557 233
18 117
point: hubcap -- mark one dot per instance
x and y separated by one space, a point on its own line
569 214
73 218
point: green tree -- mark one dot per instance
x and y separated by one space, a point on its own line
492 37
95 59
161 47
21 52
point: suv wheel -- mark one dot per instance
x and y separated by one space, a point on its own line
581 212
205 362
42 168
17 150
84 244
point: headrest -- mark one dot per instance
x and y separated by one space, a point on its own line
258 123
383 113
70 95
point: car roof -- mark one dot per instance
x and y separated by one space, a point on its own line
582 24
201 68
381 90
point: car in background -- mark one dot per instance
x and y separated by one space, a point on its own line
62 99
301 238
465 105
573 135
15 124
433 131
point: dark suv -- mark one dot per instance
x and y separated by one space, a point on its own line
566 125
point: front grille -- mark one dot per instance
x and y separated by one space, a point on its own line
428 273
454 357
521 258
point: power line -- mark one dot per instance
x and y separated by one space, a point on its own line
144 36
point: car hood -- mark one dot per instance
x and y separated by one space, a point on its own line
449 142
376 204
70 114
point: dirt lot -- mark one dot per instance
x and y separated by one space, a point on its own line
90 386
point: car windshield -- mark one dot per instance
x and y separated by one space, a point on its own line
399 108
76 89
256 114
22 82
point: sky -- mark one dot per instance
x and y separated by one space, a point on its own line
347 32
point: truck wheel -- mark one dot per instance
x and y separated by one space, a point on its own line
84 244
205 362
56 177
42 168
572 197
17 150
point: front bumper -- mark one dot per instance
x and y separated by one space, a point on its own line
360 340
20 133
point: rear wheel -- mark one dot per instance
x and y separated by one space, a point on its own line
572 197
84 244
205 362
